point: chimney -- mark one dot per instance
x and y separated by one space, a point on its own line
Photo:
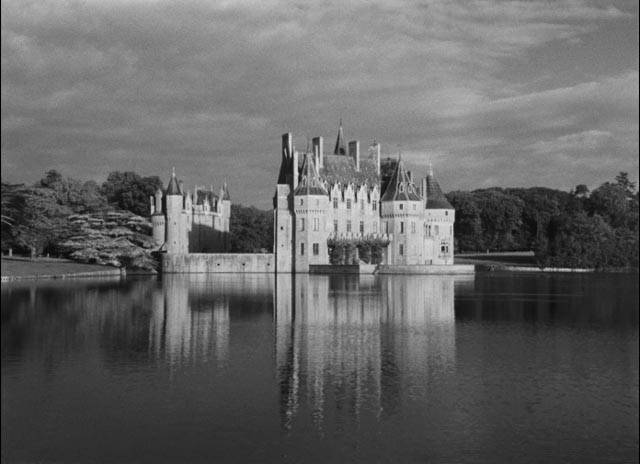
295 169
287 145
316 157
319 142
374 152
354 152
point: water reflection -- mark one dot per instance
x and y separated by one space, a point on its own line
343 343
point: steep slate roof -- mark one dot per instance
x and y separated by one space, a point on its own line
435 197
400 187
338 168
341 145
202 195
173 188
309 181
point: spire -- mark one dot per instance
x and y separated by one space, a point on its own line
173 188
400 187
309 183
341 145
435 197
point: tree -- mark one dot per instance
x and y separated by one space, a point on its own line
468 230
81 198
250 230
622 180
40 221
129 191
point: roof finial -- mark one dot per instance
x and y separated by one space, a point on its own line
430 169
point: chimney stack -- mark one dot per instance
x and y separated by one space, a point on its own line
295 169
354 152
319 142
374 153
287 145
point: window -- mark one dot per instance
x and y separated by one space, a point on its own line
375 227
301 223
437 231
316 224
375 205
302 249
335 226
401 206
401 227
335 203
386 227
362 227
318 203
348 203
444 249
316 249
348 226
361 204
301 201
401 250
413 227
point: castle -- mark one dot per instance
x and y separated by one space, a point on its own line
190 223
340 209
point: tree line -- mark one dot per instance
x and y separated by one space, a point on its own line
597 229
35 217
577 229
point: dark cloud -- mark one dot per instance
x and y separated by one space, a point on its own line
89 87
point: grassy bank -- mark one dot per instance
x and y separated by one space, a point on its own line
44 267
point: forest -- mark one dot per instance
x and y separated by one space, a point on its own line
578 229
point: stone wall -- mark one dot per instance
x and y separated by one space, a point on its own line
177 263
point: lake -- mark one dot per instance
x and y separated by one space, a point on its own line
489 368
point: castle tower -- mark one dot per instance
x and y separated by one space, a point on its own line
225 213
176 237
439 221
310 204
402 213
158 222
282 213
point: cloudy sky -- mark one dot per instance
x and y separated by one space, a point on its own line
493 93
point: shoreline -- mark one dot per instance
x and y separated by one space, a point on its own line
17 269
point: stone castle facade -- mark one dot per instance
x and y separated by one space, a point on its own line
185 222
324 200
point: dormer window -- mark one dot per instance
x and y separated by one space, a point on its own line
401 188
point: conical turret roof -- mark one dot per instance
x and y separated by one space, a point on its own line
174 187
341 144
435 197
400 187
309 182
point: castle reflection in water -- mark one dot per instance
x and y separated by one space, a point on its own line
342 343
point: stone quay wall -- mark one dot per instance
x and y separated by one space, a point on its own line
210 263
